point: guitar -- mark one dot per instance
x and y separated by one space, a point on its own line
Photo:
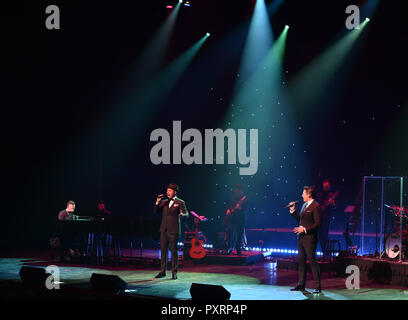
325 203
230 212
197 250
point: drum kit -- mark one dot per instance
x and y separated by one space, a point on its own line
392 242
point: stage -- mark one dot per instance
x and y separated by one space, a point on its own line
273 127
258 281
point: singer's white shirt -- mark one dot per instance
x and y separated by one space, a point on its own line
171 202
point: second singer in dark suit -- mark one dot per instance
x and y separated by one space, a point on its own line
170 229
309 219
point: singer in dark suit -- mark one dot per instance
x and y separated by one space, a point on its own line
309 219
172 210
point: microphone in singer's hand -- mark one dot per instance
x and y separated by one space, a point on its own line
292 203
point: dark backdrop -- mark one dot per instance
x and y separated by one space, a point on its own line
61 87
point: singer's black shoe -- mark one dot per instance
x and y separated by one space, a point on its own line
174 276
160 275
229 251
298 288
317 291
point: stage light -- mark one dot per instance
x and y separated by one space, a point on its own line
169 7
367 19
187 4
207 34
286 27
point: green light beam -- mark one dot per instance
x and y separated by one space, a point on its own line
311 82
260 103
151 57
127 123
258 41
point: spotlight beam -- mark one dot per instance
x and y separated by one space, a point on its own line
128 121
151 57
258 42
310 83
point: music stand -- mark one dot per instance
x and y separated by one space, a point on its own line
201 218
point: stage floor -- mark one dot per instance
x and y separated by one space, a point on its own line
260 281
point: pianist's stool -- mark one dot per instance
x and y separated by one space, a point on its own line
94 247
331 251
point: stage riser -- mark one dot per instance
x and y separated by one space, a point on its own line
384 272
292 264
241 261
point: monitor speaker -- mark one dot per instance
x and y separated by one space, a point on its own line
200 291
107 283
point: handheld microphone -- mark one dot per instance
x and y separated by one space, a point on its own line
161 197
294 202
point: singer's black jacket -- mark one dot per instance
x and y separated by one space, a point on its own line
170 220
311 218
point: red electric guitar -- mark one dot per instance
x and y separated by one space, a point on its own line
326 203
230 212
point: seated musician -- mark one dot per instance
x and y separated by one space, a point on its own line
101 211
66 238
68 212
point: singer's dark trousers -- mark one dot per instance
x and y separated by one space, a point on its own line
307 251
169 240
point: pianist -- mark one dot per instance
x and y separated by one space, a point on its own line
68 212
101 211
67 239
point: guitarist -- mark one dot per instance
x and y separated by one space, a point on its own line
327 199
172 210
235 220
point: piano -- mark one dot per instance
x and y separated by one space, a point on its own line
116 225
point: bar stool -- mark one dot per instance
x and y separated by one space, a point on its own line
95 247
113 242
332 247
332 250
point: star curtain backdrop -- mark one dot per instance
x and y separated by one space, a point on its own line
80 104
